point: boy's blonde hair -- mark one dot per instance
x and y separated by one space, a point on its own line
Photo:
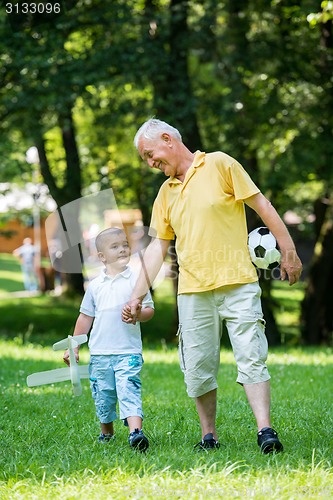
105 235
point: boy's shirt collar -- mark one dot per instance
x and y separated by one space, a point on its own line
125 273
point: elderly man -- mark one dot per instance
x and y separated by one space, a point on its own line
202 205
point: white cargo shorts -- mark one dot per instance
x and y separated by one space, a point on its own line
201 317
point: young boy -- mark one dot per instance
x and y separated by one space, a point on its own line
115 342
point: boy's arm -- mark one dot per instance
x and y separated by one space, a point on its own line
82 326
145 314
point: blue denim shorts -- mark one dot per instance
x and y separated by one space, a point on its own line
116 377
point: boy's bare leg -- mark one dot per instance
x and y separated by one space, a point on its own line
137 440
107 428
134 423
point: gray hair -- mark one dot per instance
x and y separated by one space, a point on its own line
152 128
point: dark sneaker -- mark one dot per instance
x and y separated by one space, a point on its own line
105 438
268 441
207 443
138 440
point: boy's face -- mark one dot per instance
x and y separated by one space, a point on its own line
116 251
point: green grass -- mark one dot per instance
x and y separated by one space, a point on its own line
48 437
43 319
287 309
10 274
46 318
49 449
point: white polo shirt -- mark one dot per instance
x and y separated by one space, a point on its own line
104 300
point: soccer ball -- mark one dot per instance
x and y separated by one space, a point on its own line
263 248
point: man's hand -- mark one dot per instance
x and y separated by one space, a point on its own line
290 266
131 311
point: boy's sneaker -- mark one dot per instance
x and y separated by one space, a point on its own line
268 441
208 443
138 440
105 438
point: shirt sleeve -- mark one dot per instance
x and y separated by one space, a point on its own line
148 301
159 225
88 303
243 185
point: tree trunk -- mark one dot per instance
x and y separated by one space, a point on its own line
181 101
173 96
62 195
317 305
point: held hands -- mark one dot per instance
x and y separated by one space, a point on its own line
131 311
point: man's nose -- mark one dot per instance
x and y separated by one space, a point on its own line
150 162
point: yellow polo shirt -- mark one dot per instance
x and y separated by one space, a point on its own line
207 215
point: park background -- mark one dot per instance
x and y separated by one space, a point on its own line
252 78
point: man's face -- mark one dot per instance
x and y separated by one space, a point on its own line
158 153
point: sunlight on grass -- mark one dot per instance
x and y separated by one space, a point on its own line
310 356
203 482
302 356
11 281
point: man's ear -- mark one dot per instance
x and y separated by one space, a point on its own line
166 137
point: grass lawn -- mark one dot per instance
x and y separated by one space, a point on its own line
10 274
49 449
45 319
48 437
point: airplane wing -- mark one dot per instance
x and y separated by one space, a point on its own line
84 371
49 377
70 342
57 375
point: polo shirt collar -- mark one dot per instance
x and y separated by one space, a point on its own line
126 274
198 161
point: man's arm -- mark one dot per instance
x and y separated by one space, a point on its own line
291 265
152 261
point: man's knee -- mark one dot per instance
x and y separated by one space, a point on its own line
198 386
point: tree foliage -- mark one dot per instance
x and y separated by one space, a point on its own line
250 77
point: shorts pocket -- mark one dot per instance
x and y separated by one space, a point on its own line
263 344
181 348
93 387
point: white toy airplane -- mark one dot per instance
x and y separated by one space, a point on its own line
74 372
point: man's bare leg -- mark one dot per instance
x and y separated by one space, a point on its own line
206 408
258 396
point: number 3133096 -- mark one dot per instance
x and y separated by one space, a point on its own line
33 8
